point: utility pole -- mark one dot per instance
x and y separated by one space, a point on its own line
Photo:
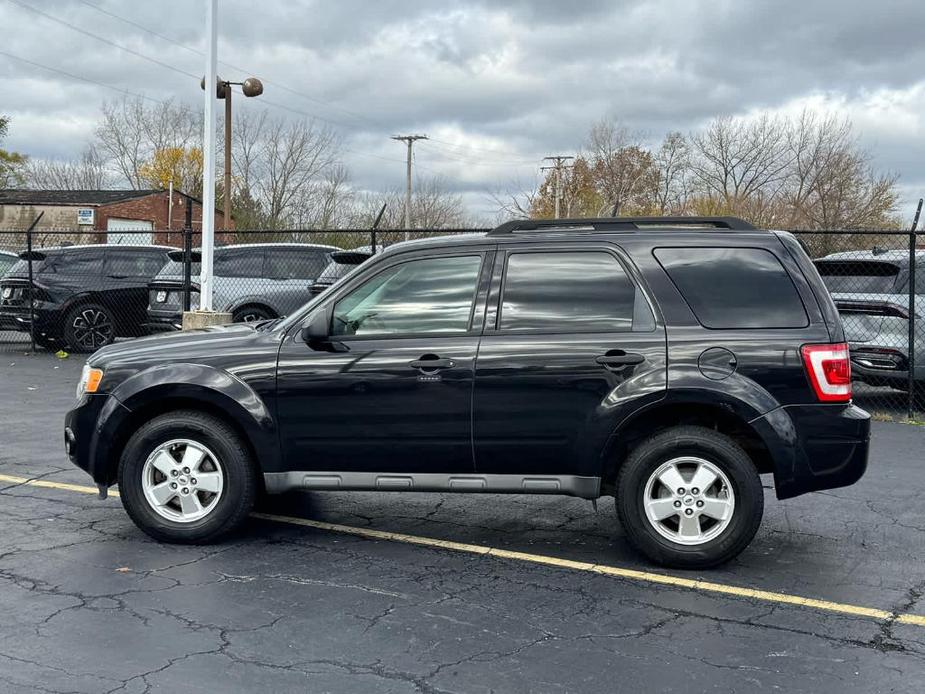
557 167
410 140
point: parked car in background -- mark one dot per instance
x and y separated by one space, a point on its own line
871 291
342 263
252 282
668 362
83 297
7 260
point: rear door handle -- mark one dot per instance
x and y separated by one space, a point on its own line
431 362
619 358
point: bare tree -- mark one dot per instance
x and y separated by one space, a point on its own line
673 162
87 172
132 130
623 171
739 160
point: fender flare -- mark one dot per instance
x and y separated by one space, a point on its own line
214 389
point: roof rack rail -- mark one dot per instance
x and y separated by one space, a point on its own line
622 223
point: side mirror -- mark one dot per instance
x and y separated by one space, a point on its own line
318 329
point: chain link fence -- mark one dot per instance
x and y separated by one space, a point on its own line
64 289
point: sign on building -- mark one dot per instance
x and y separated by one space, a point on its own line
85 216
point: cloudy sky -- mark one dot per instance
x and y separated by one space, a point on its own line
496 84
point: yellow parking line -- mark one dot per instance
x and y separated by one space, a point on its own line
603 569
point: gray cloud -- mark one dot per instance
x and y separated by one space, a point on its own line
513 79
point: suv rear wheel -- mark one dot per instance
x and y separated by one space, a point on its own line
88 327
689 497
187 477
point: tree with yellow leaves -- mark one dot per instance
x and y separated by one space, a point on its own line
181 166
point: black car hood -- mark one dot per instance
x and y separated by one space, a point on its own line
200 346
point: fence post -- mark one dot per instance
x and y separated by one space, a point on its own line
187 253
912 335
31 292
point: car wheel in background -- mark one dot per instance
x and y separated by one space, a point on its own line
689 497
251 314
187 477
87 327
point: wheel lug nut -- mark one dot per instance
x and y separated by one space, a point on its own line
186 470
185 490
677 504
174 473
688 512
192 480
699 504
695 491
173 485
680 490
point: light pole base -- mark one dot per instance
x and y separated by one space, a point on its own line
194 320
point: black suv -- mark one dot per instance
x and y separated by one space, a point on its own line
83 296
665 361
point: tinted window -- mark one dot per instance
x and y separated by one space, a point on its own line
863 277
295 264
134 264
243 262
431 295
734 287
79 263
570 292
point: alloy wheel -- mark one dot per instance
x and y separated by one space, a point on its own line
182 480
689 500
92 329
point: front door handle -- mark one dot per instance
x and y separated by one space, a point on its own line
431 362
617 358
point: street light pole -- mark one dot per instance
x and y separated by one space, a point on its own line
249 87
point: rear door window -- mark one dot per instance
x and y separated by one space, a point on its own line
858 276
729 288
295 263
569 292
134 264
240 262
84 263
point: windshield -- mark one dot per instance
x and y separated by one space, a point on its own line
858 277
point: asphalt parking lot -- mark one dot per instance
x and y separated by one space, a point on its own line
335 592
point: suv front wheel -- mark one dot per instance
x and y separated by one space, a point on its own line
187 477
689 497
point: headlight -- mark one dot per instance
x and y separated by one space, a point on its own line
89 380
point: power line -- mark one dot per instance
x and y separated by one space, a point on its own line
103 39
82 79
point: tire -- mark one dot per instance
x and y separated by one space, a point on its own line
706 539
226 500
87 327
251 314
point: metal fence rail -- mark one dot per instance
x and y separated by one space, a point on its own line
73 290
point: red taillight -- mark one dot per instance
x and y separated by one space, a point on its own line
829 371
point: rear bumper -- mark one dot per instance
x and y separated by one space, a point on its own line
815 447
164 321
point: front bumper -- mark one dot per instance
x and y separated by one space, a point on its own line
815 447
88 433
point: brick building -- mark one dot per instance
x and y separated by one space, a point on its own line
136 216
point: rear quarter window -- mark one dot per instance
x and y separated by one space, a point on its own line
729 288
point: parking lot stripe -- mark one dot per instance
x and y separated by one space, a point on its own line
603 569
